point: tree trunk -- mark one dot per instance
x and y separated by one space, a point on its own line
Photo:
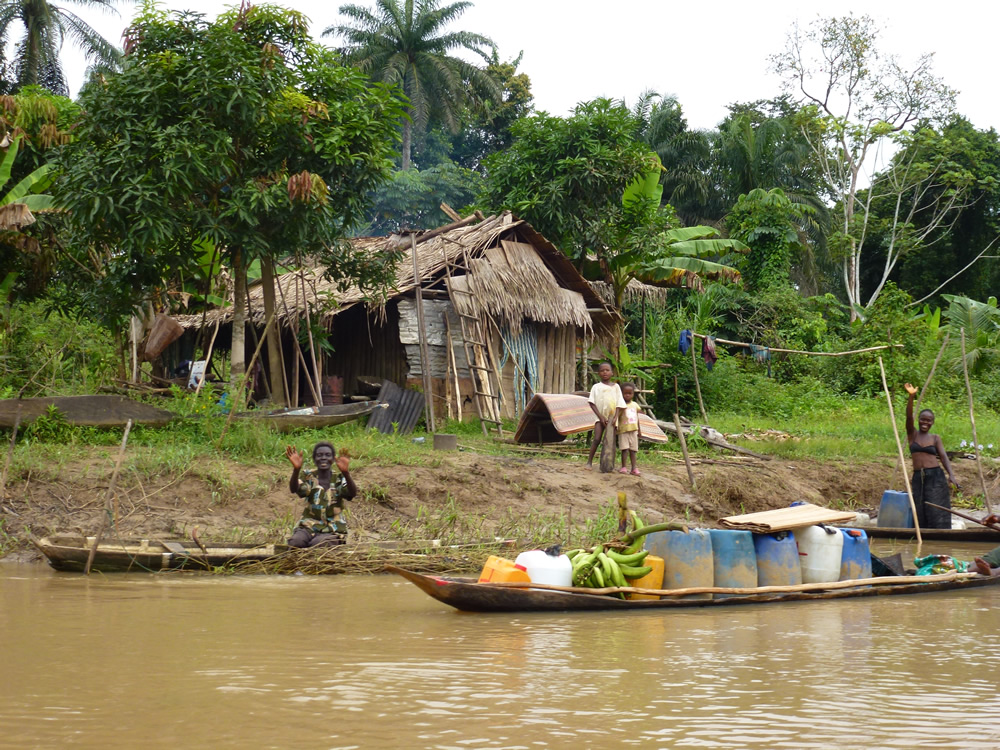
275 359
407 142
238 357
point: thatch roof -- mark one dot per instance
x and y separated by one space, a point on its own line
635 291
514 274
15 216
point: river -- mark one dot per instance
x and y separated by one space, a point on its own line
201 661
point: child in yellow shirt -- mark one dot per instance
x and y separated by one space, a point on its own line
628 429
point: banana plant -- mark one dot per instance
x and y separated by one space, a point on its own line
981 323
26 197
643 247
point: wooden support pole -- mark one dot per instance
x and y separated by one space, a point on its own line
208 357
298 350
110 501
800 351
234 407
899 449
318 390
425 361
454 368
684 448
975 438
10 453
697 385
643 326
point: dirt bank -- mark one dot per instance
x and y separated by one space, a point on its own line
454 494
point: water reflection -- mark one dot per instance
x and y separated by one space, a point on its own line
373 663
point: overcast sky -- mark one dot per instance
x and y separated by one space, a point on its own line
707 54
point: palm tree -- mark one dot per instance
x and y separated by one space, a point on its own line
405 43
45 28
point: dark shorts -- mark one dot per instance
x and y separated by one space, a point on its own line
303 538
931 486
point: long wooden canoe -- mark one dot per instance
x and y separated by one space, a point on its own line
70 553
976 534
95 410
313 417
469 596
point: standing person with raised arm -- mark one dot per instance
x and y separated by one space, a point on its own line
928 455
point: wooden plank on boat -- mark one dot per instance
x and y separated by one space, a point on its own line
786 519
93 410
978 534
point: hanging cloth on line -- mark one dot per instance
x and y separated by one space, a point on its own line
685 341
762 354
708 352
522 350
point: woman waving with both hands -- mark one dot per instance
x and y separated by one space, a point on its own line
928 455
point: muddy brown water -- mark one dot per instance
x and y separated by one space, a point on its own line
168 660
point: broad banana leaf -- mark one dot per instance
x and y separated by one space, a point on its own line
8 161
39 203
646 186
680 271
706 248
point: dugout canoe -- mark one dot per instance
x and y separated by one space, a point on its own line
92 411
975 534
467 595
313 417
69 553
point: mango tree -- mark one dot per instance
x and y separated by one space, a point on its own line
242 133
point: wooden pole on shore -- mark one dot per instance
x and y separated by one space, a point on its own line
697 385
10 453
975 438
902 459
425 362
920 398
684 448
110 501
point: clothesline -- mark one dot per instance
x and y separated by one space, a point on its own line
799 351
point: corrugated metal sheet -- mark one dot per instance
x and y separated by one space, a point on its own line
404 410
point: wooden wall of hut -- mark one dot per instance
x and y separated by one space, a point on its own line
556 347
365 343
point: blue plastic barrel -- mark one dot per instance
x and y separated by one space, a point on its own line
856 561
777 559
687 559
894 511
734 559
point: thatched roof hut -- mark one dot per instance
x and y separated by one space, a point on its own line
531 300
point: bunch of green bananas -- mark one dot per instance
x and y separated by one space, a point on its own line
599 567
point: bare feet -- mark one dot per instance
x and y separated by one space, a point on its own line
982 567
588 467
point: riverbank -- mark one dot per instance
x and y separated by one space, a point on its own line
408 490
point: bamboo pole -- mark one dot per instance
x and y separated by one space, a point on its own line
447 372
923 390
318 391
697 385
800 351
425 362
454 368
930 376
899 449
298 349
972 419
208 357
110 500
799 588
684 448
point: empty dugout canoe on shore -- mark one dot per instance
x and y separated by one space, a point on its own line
92 411
313 417
467 595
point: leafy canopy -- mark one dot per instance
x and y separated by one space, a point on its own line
241 132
